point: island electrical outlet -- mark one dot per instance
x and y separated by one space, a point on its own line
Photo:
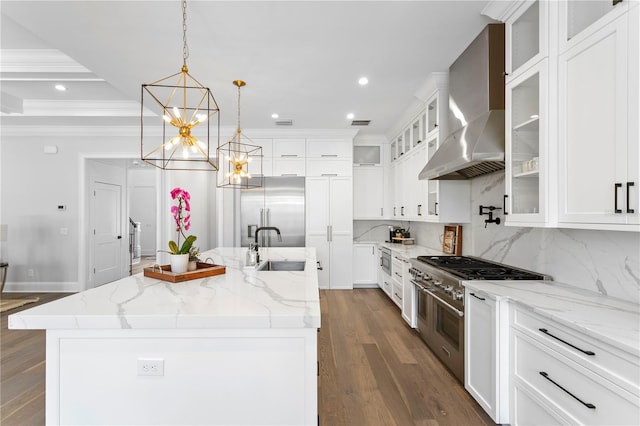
150 367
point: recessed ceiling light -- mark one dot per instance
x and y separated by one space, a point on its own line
60 87
274 115
363 81
350 116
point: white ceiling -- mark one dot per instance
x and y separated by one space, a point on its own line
301 59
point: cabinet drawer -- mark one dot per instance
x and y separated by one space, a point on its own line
288 167
584 396
396 268
387 285
397 293
618 366
328 167
530 409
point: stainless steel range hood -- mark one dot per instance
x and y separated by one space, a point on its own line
476 93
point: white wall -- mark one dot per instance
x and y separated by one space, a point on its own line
33 184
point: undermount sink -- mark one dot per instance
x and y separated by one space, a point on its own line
282 265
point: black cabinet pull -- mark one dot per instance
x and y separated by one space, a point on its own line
586 404
477 297
615 197
504 204
614 2
435 208
545 331
629 185
419 209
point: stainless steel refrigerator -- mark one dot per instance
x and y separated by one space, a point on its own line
280 203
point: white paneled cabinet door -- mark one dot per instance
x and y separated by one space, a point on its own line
329 213
480 350
368 192
593 128
341 237
365 264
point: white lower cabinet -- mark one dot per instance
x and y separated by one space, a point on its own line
571 377
527 369
409 302
365 265
396 279
486 353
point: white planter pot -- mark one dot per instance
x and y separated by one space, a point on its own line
192 266
179 263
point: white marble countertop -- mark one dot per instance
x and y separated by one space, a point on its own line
240 298
611 320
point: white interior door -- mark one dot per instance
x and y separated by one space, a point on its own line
107 232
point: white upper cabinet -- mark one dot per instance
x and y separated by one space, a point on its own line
526 34
527 171
579 18
289 148
367 155
329 148
598 116
368 194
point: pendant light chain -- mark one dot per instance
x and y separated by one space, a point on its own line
185 48
239 108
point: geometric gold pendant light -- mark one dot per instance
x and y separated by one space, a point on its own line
190 119
239 160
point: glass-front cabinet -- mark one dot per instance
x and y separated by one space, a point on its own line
526 139
526 37
432 185
432 115
576 16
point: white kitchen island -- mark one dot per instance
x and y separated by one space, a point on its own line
237 348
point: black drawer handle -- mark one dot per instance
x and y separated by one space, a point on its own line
586 404
629 185
477 297
545 331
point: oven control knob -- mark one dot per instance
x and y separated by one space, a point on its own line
458 295
437 283
448 288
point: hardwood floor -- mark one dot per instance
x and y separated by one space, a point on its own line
374 370
22 367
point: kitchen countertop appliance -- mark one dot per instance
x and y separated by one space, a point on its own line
439 293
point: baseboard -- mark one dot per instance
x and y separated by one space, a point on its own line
42 287
366 286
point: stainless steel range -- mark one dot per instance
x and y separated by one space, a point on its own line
440 295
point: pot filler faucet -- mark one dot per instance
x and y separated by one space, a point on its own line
265 228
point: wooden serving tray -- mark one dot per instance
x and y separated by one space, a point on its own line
163 272
404 240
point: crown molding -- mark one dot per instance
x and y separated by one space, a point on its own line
225 132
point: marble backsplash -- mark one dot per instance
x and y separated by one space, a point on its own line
607 262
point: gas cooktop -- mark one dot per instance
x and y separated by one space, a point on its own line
473 268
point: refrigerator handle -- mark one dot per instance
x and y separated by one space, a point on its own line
262 224
268 223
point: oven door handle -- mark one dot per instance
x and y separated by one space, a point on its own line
460 313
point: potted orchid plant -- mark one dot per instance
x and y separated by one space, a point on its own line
182 218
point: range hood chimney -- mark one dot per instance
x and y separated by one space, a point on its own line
476 111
